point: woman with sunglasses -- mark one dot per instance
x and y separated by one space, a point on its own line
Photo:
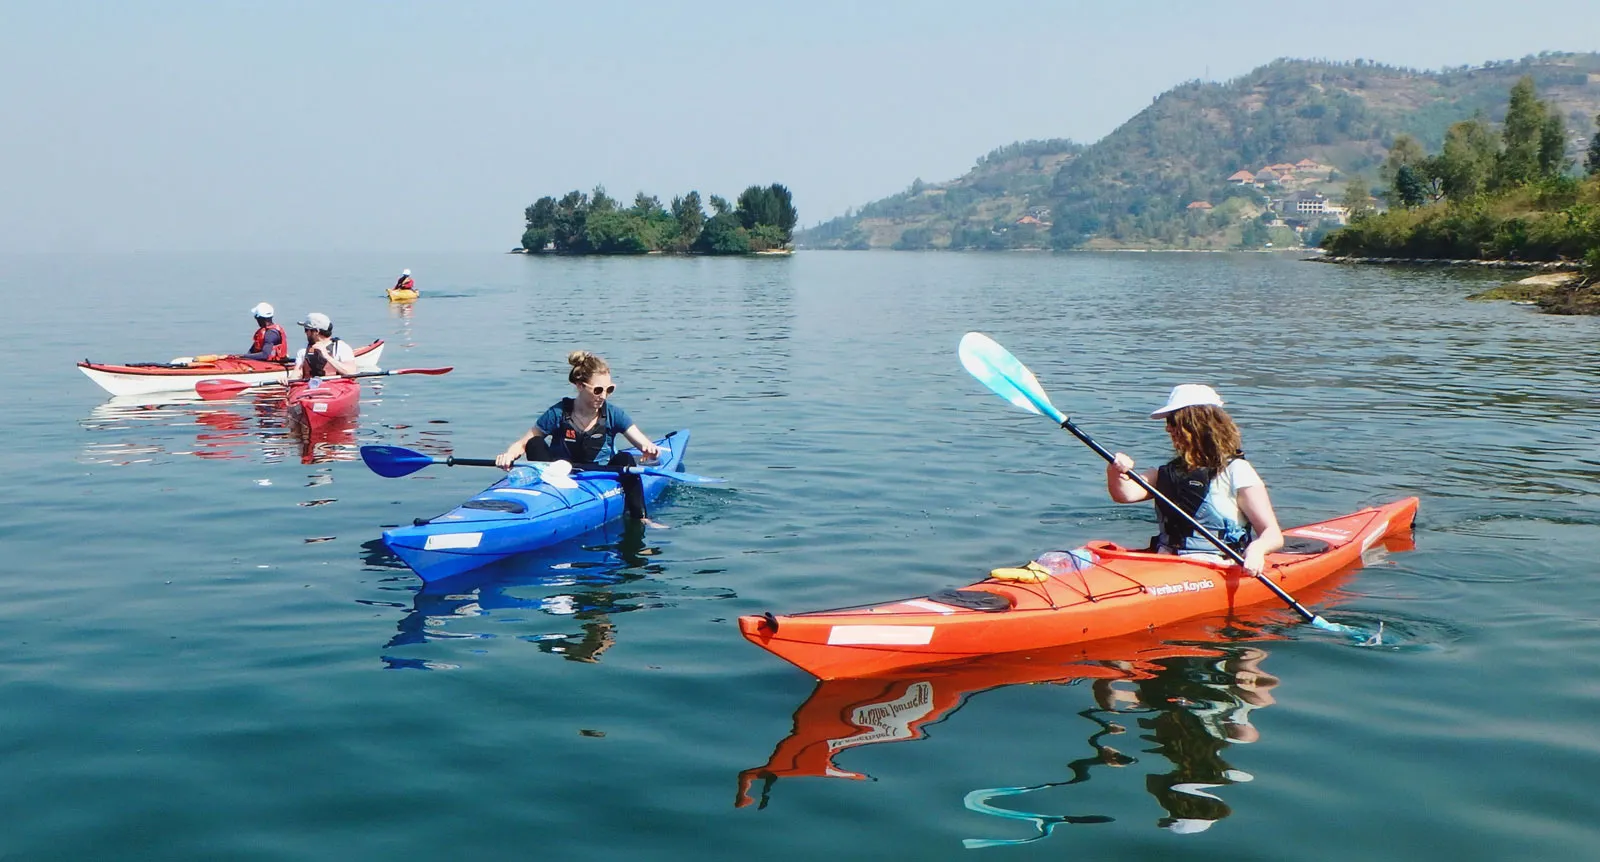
1209 479
582 429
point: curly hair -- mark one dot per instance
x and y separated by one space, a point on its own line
1205 436
584 366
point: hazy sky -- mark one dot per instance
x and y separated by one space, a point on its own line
428 126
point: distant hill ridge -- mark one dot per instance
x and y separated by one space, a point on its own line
1135 187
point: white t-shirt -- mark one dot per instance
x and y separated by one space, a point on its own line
340 350
1224 492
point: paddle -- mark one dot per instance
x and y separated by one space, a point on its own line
394 461
996 368
212 390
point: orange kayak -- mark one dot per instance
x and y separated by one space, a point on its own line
1100 590
842 714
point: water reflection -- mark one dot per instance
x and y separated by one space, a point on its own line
142 429
1189 693
575 589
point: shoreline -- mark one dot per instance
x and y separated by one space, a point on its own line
1545 265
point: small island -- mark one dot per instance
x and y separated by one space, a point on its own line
1506 197
760 222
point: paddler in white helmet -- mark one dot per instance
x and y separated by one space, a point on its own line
405 282
270 343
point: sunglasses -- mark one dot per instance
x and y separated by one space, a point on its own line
603 390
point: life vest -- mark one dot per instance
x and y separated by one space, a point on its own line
317 363
280 351
575 444
405 283
1188 490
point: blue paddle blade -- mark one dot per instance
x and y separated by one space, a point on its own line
392 462
996 368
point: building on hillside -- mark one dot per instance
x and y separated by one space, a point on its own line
1266 177
1307 203
1282 168
1199 205
1040 213
1307 166
1242 178
1028 219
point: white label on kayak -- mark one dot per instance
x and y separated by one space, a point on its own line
319 407
880 635
1326 534
924 604
1183 587
446 541
1374 536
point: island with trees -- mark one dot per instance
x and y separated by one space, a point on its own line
1508 194
760 221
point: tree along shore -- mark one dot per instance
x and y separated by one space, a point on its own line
1497 197
761 221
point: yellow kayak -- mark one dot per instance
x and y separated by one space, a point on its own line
401 295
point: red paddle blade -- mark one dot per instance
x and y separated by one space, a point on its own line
445 370
212 390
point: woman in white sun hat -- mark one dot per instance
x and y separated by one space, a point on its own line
1209 478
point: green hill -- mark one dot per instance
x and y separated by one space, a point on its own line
1134 188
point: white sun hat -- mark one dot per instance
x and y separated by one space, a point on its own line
262 309
1188 395
405 272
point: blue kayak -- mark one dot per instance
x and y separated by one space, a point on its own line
523 513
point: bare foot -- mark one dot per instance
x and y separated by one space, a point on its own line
654 524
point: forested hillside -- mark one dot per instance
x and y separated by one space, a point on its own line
1162 179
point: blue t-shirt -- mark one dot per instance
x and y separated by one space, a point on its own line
571 443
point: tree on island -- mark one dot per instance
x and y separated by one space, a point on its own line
596 224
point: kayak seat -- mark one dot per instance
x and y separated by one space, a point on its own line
493 504
1303 545
972 600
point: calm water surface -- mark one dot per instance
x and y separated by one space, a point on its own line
208 655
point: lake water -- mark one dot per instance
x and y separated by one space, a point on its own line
209 656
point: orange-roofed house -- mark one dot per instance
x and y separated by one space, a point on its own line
1242 178
1199 205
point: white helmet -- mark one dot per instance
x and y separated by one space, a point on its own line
262 310
405 272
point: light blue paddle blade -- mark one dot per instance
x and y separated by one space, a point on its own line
688 478
1360 636
996 368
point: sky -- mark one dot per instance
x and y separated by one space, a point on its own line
356 125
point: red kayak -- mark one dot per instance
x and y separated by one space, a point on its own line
318 403
1099 590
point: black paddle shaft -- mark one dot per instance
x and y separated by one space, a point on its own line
1211 537
453 461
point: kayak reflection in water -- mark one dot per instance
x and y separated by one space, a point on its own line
583 429
1193 709
1209 479
593 586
